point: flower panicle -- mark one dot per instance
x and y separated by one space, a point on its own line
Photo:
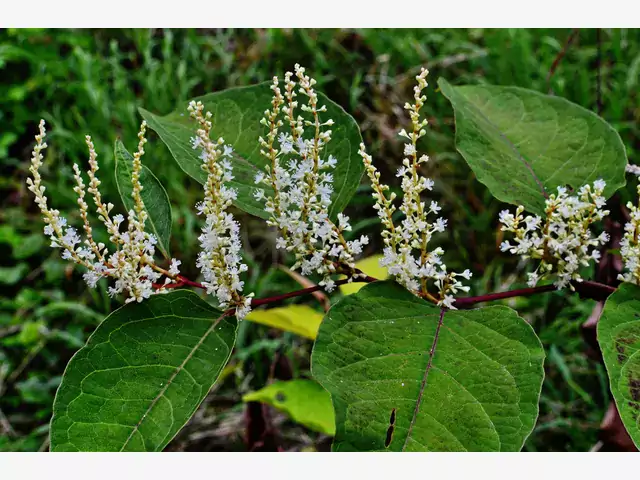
630 242
299 180
407 255
219 260
132 265
563 242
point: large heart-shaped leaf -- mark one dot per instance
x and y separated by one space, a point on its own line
141 375
619 339
405 375
155 198
304 401
523 145
236 118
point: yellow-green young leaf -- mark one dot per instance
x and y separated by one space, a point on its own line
299 319
370 266
155 198
522 144
304 401
405 375
236 118
619 339
141 375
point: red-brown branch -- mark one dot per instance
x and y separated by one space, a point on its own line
586 289
520 292
305 291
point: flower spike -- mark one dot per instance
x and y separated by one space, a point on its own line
219 259
299 174
413 270
630 243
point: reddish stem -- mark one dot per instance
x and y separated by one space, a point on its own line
305 291
586 289
520 292
186 281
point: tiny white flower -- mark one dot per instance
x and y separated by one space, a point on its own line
409 149
633 169
173 269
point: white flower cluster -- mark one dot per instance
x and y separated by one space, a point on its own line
564 242
630 243
634 169
219 259
132 264
414 270
299 174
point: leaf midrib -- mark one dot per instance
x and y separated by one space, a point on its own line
425 377
173 376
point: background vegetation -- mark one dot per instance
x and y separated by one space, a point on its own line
93 81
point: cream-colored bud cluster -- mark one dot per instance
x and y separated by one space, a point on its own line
630 243
406 254
299 175
132 265
564 242
219 260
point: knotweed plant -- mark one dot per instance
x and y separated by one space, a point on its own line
564 242
407 255
408 364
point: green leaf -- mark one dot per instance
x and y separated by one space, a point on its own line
236 118
304 401
54 309
12 275
141 375
31 332
404 375
154 196
522 144
370 266
299 319
619 339
28 245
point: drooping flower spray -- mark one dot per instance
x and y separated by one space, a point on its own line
564 242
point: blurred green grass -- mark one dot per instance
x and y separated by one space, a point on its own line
92 82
